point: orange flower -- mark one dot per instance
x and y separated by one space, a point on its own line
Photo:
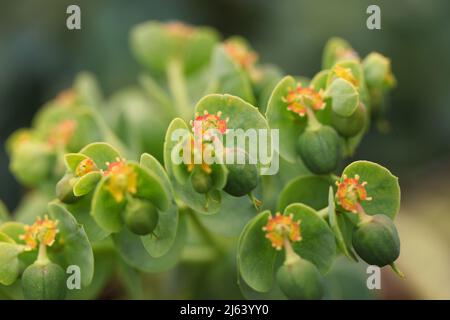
351 192
42 231
179 29
280 228
299 99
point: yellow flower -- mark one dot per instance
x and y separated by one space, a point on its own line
346 74
42 231
122 180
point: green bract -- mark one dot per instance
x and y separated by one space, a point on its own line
175 169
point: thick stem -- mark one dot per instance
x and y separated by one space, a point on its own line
178 88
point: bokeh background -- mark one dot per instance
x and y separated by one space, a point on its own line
39 57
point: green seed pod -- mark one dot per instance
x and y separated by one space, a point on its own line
64 189
32 162
349 126
141 217
242 178
44 282
300 280
319 149
376 240
202 181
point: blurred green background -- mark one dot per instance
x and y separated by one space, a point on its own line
39 57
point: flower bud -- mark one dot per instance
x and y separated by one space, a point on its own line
349 126
44 281
202 181
319 149
376 240
64 189
141 217
242 177
300 280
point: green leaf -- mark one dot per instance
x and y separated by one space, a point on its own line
105 210
86 183
81 210
159 244
152 46
72 160
9 262
103 272
289 123
310 190
317 244
240 115
77 248
13 230
319 81
228 77
5 238
382 186
101 153
344 97
150 162
163 237
335 226
150 187
256 256
185 192
199 48
132 250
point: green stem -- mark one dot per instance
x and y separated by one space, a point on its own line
323 213
291 256
206 234
256 202
42 254
313 123
178 88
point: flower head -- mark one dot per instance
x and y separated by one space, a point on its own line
85 166
351 192
280 228
62 132
300 98
179 29
42 231
207 122
122 179
239 52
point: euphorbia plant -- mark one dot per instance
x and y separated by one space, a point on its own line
115 193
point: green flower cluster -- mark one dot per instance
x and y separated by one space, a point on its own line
103 171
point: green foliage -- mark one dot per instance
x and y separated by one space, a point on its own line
125 206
